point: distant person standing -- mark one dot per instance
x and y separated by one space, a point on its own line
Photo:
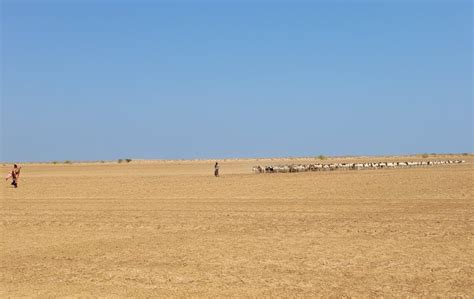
15 175
216 169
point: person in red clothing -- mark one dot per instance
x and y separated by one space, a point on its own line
15 175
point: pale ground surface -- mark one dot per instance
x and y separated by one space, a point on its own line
149 229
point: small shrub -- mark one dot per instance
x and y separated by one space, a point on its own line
102 161
67 162
425 155
120 160
55 162
465 154
322 157
128 160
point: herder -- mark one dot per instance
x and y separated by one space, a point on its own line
15 175
216 169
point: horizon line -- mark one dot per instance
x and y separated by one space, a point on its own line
320 157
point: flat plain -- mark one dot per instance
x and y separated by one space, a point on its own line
171 229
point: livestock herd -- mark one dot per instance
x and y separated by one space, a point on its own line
347 166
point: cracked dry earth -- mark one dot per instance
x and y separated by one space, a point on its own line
159 229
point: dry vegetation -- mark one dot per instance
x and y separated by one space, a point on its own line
148 229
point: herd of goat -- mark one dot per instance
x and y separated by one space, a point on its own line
347 166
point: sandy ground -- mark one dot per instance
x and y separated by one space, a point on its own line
148 229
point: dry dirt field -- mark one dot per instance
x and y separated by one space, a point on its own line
151 228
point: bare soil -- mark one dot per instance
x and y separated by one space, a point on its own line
169 228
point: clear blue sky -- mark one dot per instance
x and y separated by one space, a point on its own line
96 80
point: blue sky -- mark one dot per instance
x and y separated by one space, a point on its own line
92 80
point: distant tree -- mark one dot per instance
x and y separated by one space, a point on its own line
425 155
128 160
322 157
120 160
67 162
